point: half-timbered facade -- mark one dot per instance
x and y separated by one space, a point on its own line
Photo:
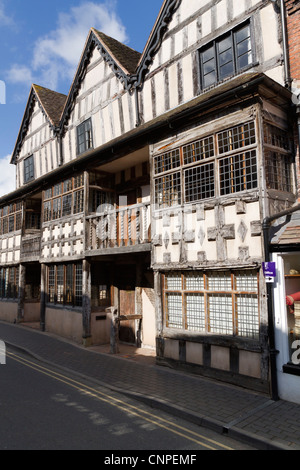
141 194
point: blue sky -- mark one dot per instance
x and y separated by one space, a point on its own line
41 42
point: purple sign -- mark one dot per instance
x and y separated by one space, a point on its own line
269 269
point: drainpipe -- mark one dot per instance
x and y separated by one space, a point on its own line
287 78
271 328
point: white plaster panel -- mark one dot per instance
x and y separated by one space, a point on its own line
269 33
221 13
187 73
147 101
173 86
238 7
206 23
160 93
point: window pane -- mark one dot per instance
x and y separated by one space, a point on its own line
56 208
246 281
174 310
219 281
199 150
208 61
247 316
199 182
78 284
78 202
195 313
194 281
220 314
243 47
225 57
238 173
60 284
167 190
69 284
84 136
236 137
173 281
167 161
51 284
67 205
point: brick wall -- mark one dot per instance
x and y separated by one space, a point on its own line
293 25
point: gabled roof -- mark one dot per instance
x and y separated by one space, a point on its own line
124 56
51 104
122 59
128 65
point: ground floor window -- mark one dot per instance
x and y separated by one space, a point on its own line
9 282
65 284
212 302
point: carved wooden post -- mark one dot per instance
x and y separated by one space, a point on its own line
86 302
21 293
43 298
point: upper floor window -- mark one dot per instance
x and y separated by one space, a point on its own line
225 56
64 198
28 169
11 218
84 136
217 165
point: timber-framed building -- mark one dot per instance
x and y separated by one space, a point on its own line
144 190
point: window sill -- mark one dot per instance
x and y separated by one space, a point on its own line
291 369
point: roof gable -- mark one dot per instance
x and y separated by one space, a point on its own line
51 104
122 59
153 44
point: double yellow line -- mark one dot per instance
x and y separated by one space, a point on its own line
174 428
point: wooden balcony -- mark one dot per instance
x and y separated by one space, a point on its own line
31 245
126 229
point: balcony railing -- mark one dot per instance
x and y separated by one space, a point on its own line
123 227
31 245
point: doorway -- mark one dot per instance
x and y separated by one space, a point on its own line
126 284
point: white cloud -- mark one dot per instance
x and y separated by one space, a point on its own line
4 19
19 74
7 176
57 54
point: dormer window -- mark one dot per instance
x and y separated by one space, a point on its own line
28 169
84 137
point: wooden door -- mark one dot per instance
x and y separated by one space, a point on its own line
126 277
127 307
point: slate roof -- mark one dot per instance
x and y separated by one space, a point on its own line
286 230
126 57
52 102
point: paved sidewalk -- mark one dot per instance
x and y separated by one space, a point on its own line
241 414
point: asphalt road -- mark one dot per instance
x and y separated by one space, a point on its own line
45 408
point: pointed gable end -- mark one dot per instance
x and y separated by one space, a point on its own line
153 44
122 59
51 104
